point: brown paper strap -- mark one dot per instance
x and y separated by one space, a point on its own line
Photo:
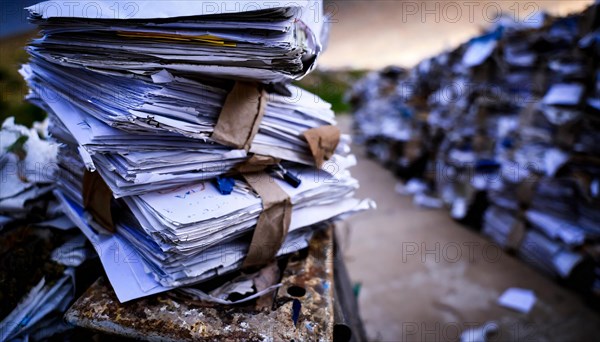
322 142
97 198
241 115
256 163
273 222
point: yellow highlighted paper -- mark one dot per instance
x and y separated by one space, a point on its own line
207 39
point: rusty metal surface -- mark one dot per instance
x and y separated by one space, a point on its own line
165 317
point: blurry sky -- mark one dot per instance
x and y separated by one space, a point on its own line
13 18
377 33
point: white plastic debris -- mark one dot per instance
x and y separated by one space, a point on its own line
413 186
518 299
479 334
459 208
426 201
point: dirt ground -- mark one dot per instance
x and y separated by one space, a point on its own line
426 278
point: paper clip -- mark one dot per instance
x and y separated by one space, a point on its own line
224 185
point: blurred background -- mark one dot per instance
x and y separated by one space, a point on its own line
403 295
365 35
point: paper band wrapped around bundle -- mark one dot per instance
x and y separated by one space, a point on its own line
241 115
273 222
256 163
322 142
97 199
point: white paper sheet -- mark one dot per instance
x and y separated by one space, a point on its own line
518 299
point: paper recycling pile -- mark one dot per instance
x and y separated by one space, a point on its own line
40 248
505 131
186 154
27 165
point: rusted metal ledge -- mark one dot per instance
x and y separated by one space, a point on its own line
307 279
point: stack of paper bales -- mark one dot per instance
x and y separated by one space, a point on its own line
503 130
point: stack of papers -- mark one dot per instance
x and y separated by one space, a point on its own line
179 234
135 156
168 240
377 93
508 138
269 41
141 101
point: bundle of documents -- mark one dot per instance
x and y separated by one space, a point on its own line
192 233
509 141
383 93
268 41
145 136
178 161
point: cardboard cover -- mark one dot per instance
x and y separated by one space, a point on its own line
273 222
97 199
322 142
241 115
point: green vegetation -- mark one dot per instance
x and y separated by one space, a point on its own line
18 147
332 86
12 86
